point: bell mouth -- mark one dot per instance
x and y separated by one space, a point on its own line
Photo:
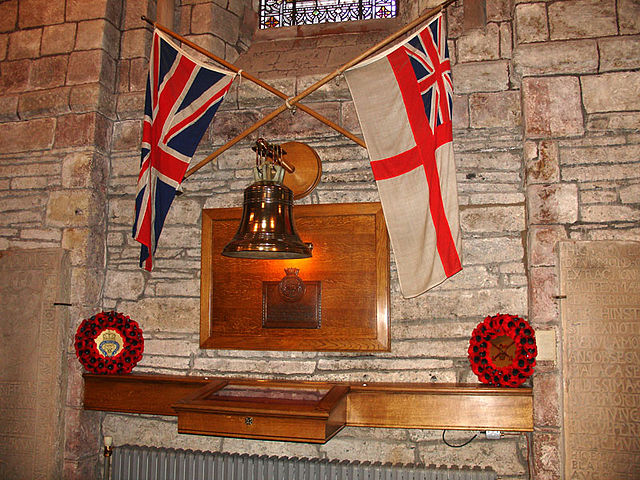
267 229
276 250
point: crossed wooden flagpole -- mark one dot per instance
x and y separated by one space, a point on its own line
293 101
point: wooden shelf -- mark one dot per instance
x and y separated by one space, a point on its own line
384 405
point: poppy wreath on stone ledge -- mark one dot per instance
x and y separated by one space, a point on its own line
502 350
109 342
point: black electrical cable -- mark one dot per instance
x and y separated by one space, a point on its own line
457 446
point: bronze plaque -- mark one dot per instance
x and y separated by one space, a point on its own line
601 358
280 312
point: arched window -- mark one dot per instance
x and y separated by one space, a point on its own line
285 13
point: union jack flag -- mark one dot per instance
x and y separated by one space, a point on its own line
429 55
403 98
182 97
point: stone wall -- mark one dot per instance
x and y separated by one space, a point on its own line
56 111
546 133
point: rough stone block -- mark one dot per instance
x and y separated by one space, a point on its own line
68 208
480 77
368 449
75 130
209 17
582 19
125 285
35 13
506 40
27 136
460 112
157 431
24 44
135 43
611 92
499 218
44 103
48 72
96 34
555 203
209 42
216 366
547 386
58 38
619 53
614 121
180 288
499 10
591 173
629 16
138 74
184 211
84 67
14 76
553 58
127 135
531 22
76 170
91 97
543 287
78 10
133 9
552 107
609 213
479 45
483 251
491 110
167 314
121 211
630 194
4 45
609 154
8 15
131 105
544 167
546 456
542 240
30 183
24 202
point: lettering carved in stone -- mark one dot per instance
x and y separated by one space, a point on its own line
32 355
601 358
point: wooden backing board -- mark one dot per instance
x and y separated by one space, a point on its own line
350 260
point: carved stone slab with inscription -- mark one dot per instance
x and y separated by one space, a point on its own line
601 358
32 352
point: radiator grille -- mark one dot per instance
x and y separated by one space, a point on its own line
148 463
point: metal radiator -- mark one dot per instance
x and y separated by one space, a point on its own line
148 463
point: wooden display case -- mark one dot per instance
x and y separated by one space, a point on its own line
292 411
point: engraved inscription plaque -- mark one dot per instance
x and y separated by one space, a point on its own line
303 313
32 351
601 358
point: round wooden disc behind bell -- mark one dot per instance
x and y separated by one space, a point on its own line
308 168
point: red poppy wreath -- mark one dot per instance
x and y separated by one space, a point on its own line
502 350
109 342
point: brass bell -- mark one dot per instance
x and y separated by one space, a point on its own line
267 229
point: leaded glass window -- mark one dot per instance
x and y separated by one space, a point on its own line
284 13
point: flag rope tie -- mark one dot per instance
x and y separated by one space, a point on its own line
289 106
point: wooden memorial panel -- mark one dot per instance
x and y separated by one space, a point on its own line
601 358
345 306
